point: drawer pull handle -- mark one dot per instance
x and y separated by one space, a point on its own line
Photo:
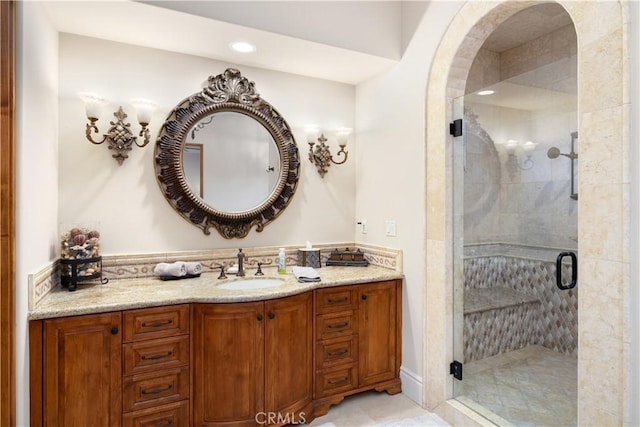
338 300
338 352
338 325
339 382
156 356
157 390
157 324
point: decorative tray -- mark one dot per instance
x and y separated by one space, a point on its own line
347 258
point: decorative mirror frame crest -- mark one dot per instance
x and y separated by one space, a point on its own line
230 92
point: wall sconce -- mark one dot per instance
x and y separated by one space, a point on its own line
512 147
320 154
119 137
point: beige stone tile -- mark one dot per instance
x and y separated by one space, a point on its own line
600 230
601 285
600 376
373 408
603 84
601 148
593 19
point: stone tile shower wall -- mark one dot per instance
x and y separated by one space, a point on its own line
504 201
535 313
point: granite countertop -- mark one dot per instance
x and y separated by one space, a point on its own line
124 294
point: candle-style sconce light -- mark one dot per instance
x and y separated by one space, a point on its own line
120 138
320 153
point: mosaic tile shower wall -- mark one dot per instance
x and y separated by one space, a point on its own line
512 302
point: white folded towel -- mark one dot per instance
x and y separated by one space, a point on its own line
176 269
305 274
193 268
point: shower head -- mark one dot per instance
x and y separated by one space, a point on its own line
553 153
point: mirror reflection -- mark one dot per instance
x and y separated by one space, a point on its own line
231 161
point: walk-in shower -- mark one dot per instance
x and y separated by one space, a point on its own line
516 330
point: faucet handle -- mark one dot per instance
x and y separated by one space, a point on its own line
259 272
222 275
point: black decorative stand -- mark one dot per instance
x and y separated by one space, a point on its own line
74 271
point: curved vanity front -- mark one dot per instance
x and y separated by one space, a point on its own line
188 352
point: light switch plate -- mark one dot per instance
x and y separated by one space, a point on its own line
390 226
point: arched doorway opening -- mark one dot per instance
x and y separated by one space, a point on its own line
604 146
515 211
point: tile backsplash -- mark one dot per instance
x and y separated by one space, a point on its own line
132 266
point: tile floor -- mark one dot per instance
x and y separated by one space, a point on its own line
533 386
377 409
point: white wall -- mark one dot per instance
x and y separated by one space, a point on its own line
390 177
36 168
134 217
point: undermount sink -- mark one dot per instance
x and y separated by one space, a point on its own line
245 284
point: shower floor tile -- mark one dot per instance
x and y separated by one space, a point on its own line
533 386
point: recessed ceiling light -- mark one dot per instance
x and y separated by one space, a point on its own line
486 92
242 47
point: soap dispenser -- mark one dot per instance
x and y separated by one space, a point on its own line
282 264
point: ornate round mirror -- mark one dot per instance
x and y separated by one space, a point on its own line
226 159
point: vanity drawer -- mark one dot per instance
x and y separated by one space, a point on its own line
147 390
331 300
174 415
336 324
330 382
153 355
157 322
336 351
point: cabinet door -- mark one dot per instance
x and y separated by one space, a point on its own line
228 364
377 333
289 355
82 371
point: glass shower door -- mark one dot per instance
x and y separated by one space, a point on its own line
514 212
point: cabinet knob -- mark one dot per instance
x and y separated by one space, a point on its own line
272 315
114 330
259 317
364 296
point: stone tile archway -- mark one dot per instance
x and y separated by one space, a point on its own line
603 111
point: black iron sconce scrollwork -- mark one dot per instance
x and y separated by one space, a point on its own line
119 138
320 153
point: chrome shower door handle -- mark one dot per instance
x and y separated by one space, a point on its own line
574 270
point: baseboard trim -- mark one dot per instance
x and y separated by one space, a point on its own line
411 385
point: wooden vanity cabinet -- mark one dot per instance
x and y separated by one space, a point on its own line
76 377
126 368
273 362
253 362
379 333
155 369
358 341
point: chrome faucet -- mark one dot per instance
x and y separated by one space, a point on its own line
241 258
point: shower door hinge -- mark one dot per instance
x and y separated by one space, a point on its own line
455 369
455 127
